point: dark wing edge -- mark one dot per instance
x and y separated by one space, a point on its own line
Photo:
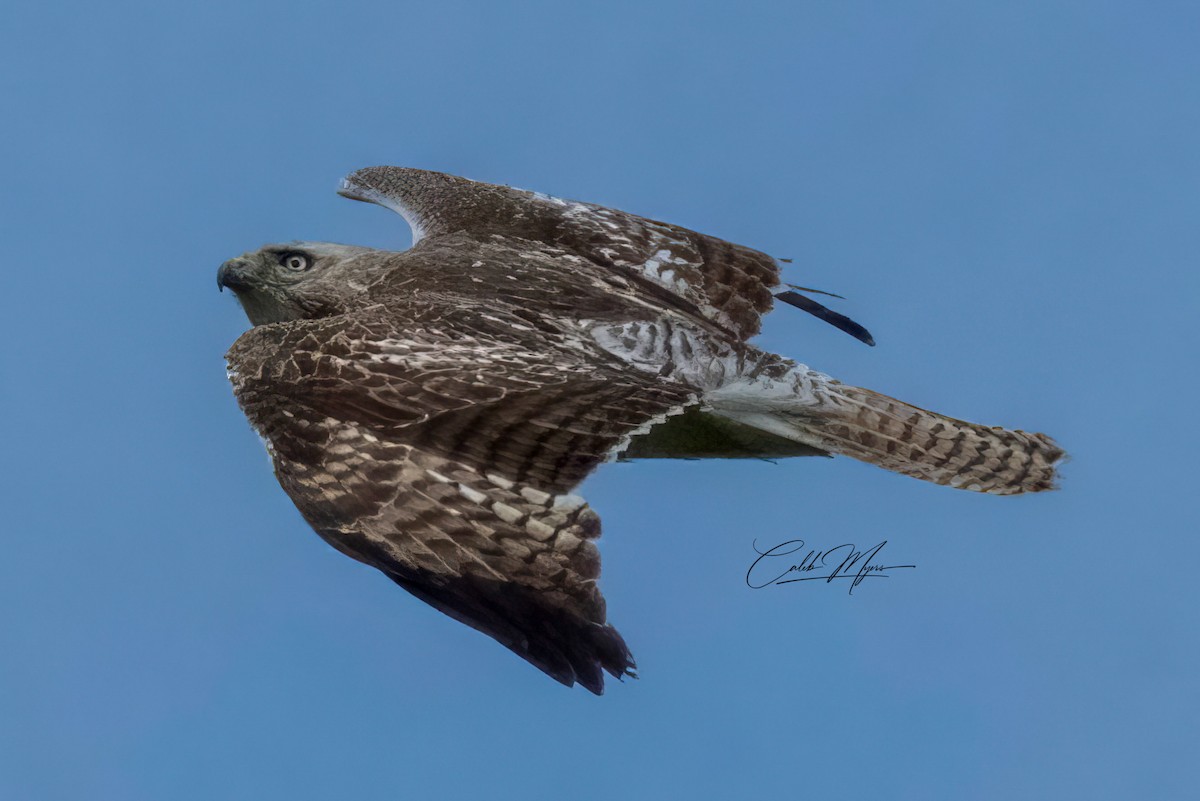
564 646
519 566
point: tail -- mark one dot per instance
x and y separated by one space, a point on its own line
897 436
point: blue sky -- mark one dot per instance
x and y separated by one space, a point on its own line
1007 195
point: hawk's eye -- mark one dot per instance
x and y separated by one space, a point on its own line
295 261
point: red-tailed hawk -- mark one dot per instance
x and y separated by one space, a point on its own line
430 411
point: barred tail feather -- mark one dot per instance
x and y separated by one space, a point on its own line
906 439
811 408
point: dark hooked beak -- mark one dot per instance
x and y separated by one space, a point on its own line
232 274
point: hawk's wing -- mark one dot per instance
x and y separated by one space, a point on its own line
708 278
443 463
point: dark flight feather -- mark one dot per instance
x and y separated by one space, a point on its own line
839 321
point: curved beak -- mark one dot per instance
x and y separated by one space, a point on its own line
232 274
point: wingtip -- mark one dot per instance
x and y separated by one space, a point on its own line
609 654
839 321
595 683
370 184
352 186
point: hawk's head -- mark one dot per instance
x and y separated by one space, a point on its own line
298 280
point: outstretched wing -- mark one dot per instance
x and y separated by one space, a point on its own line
443 461
725 284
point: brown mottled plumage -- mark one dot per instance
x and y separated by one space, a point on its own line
430 411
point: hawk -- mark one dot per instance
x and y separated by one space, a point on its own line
430 411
